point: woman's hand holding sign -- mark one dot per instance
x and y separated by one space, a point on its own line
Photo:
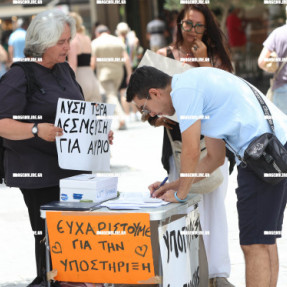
49 132
111 137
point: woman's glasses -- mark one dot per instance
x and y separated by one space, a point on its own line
187 26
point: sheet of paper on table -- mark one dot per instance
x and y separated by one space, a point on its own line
131 200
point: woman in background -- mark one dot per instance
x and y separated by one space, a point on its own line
80 60
133 50
201 43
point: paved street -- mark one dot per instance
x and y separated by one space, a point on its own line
136 156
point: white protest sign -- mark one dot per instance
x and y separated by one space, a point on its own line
84 144
179 247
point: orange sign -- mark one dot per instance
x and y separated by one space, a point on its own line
101 248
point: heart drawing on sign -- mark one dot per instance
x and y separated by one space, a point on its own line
141 250
57 248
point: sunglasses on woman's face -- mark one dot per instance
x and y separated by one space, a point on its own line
187 25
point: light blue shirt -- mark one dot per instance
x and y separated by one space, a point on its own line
17 40
226 105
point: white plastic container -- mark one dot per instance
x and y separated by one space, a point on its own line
88 187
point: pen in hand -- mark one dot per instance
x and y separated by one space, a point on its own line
163 182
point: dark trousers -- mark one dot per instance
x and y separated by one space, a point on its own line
34 198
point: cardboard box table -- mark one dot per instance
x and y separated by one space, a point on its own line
126 247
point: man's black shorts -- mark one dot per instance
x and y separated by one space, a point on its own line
260 208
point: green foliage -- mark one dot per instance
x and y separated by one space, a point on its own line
171 5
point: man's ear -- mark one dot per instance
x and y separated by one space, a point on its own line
153 92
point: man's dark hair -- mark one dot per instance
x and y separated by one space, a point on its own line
145 78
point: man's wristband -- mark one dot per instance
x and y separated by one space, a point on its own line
178 199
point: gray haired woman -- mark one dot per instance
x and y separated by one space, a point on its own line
31 90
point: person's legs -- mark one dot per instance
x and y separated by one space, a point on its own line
34 198
274 262
257 265
213 219
124 103
262 265
123 89
260 210
111 89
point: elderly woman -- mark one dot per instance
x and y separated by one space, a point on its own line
30 145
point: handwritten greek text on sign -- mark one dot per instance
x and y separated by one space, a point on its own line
112 248
84 145
179 244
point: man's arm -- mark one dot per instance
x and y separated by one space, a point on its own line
265 53
214 158
190 161
189 158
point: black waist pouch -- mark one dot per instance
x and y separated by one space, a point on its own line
267 157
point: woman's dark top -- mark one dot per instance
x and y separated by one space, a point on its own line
84 60
35 155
